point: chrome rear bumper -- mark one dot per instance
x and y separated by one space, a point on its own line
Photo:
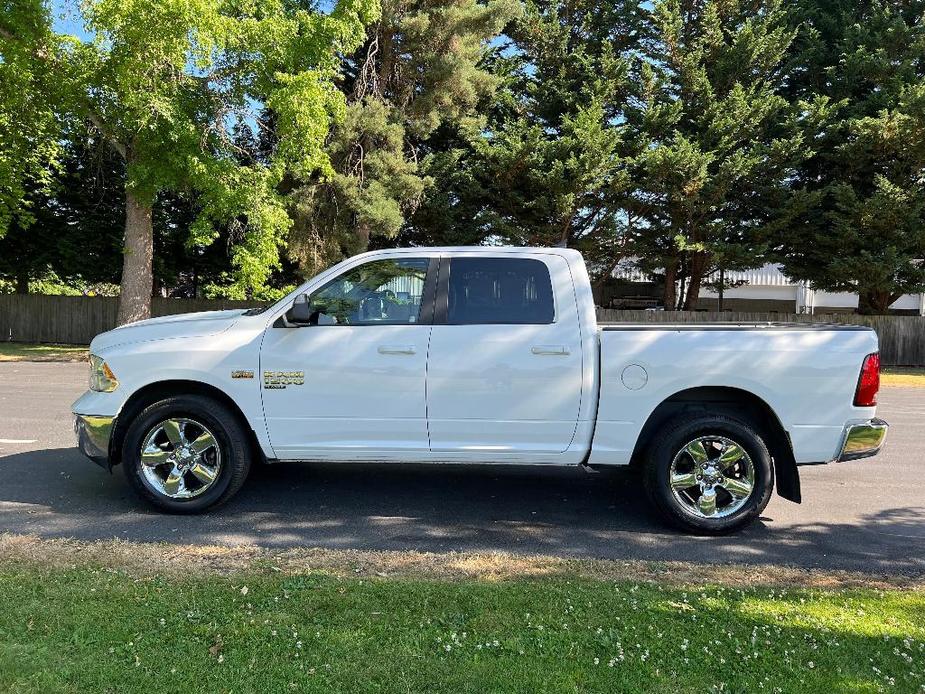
863 440
93 435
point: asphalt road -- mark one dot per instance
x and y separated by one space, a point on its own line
863 515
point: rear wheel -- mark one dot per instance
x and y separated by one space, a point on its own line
709 474
186 454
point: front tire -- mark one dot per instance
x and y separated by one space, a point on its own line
186 454
709 474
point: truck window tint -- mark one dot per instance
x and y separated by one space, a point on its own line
382 292
499 290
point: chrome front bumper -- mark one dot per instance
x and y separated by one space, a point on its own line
863 440
93 436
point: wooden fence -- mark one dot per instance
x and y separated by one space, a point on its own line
76 319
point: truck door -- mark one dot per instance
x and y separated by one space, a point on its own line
350 384
504 374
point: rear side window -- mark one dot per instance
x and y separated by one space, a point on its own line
499 290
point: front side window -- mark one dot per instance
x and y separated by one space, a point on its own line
499 290
382 292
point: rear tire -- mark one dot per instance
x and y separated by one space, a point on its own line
709 474
186 454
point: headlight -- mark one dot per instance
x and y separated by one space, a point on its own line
102 379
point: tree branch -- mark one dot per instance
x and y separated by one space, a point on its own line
98 123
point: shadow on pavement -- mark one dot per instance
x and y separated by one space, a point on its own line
559 511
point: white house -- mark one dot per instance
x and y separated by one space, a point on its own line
768 285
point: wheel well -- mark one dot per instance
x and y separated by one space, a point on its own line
738 403
153 392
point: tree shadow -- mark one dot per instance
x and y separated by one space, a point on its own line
558 511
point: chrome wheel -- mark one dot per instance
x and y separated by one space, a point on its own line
180 458
712 477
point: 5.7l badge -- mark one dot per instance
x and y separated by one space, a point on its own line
277 380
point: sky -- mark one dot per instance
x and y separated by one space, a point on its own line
65 19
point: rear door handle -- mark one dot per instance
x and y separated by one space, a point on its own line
396 349
560 350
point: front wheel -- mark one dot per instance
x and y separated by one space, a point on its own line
709 474
186 454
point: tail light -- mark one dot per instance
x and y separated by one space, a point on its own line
869 382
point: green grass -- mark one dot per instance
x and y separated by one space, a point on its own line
86 629
17 351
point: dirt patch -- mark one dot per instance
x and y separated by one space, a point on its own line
145 559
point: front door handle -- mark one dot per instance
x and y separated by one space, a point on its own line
396 349
560 350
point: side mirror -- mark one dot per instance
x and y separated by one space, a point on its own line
301 311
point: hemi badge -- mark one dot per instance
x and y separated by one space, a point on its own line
244 373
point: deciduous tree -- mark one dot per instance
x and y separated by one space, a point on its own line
166 83
30 119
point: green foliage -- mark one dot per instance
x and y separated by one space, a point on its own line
716 143
165 83
29 119
546 168
857 219
417 71
692 135
73 237
175 128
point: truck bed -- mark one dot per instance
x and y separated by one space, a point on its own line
806 374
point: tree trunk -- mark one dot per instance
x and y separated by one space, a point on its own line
362 235
698 265
22 282
874 301
670 291
138 255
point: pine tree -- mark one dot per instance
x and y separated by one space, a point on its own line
546 166
419 70
857 213
715 142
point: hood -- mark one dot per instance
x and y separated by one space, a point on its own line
200 324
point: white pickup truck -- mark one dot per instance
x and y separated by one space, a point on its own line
477 355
